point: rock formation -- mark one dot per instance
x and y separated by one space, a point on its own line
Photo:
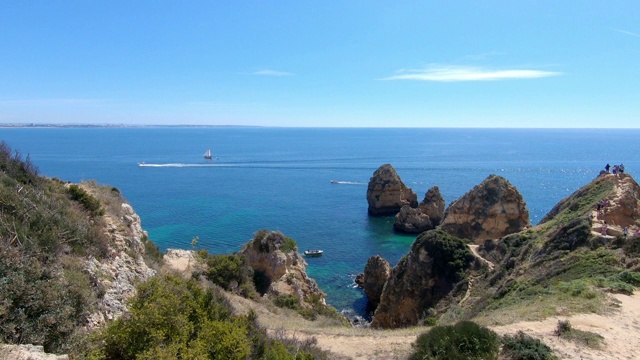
615 205
412 221
490 210
27 352
427 274
425 217
386 193
118 274
433 205
376 274
281 270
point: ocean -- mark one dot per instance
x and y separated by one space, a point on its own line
281 179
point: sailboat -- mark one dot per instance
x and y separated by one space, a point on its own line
207 155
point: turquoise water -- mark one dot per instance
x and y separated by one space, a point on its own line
280 179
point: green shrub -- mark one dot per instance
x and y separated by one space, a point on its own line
37 304
523 347
564 326
288 246
578 288
464 340
15 167
614 284
287 301
566 331
174 318
171 317
631 246
223 270
630 277
451 256
265 241
152 253
91 204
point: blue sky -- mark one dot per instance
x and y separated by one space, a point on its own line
322 63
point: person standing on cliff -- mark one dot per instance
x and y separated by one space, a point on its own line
606 168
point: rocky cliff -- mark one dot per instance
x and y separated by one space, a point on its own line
425 217
386 192
376 274
281 270
492 209
428 273
433 205
619 208
118 274
412 221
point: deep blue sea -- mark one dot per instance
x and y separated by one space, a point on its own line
280 179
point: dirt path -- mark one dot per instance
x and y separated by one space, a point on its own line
474 251
620 329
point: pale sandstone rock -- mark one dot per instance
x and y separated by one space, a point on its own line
386 193
490 210
286 271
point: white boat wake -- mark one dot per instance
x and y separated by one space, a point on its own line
339 182
181 165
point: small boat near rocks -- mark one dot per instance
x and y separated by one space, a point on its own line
313 253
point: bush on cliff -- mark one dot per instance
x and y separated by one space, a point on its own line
462 341
176 318
523 347
451 255
44 293
90 203
230 272
265 241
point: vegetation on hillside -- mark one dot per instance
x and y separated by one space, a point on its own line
558 264
46 228
230 272
176 318
462 341
468 340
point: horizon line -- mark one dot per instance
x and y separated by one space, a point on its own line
124 125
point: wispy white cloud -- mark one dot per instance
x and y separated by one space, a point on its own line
267 72
627 32
454 73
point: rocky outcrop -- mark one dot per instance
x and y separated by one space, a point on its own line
490 210
433 205
412 221
386 193
27 352
620 201
428 273
425 217
118 274
281 270
376 274
182 261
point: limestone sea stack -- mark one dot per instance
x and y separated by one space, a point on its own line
425 217
436 262
387 194
376 274
433 205
491 210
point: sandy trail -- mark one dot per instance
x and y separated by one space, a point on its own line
620 329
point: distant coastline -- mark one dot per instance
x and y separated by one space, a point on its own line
37 125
